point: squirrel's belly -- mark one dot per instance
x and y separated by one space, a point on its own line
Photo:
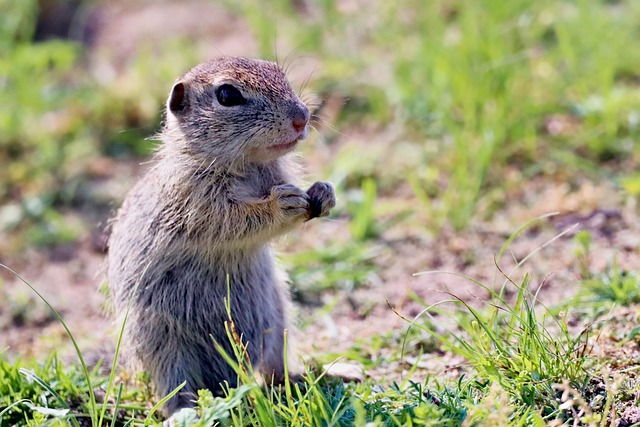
193 289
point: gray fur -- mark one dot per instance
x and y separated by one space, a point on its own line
217 195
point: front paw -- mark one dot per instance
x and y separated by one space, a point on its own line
322 198
290 200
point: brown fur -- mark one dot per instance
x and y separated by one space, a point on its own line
217 195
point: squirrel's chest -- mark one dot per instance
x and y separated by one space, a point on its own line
255 186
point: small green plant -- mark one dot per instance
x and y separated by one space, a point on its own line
334 267
415 403
631 184
363 225
614 286
512 346
23 395
583 252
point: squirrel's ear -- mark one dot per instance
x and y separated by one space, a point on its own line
178 100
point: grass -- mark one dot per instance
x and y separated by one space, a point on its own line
615 286
473 89
522 365
511 346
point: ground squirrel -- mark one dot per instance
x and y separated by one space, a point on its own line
218 193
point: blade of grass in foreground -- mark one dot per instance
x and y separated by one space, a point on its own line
158 405
31 376
8 408
115 409
85 370
118 347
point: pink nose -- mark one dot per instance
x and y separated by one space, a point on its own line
299 117
299 123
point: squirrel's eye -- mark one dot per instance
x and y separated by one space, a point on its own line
229 96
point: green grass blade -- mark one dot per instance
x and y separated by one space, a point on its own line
30 375
114 364
14 404
117 406
165 399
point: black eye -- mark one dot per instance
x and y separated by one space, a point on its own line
229 96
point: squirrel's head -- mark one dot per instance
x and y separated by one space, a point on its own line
231 109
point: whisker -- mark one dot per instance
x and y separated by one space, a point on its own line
306 81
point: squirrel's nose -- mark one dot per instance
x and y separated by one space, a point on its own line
299 117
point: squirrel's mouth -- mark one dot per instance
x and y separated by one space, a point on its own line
284 146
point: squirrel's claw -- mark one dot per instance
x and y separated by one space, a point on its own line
322 198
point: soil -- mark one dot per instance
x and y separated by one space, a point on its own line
69 277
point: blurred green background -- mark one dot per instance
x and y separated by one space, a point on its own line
446 108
